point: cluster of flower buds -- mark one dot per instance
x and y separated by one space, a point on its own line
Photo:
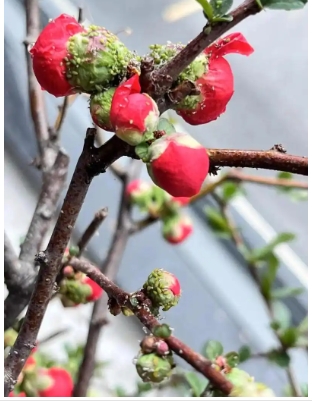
76 288
176 226
38 381
155 361
93 60
69 58
163 289
211 74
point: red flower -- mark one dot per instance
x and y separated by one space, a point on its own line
133 114
180 200
177 229
49 52
12 394
217 85
96 290
59 383
178 164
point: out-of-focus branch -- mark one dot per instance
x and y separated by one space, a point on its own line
92 162
270 181
110 268
196 360
242 246
92 228
47 151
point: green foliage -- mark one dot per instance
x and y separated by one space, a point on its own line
269 275
280 357
196 382
165 125
286 292
217 222
244 353
230 189
232 359
287 5
294 194
281 316
213 349
221 7
262 253
289 336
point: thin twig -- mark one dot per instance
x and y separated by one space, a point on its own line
196 360
110 267
92 228
61 116
52 336
270 181
37 106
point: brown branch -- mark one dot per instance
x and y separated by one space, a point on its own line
47 152
267 159
278 182
110 267
92 228
92 162
196 360
159 83
53 184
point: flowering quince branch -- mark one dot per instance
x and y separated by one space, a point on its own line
271 159
68 75
109 268
196 360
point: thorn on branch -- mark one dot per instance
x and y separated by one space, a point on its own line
279 148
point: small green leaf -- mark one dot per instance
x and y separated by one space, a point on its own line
165 125
232 359
142 150
289 336
304 390
282 315
196 382
221 7
261 254
268 277
281 358
230 190
213 349
298 195
120 392
244 353
303 326
223 18
283 4
284 175
143 387
208 10
286 292
302 341
217 222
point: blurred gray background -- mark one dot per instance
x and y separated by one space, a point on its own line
269 106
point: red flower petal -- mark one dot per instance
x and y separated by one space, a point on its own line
233 43
96 290
217 88
48 55
180 170
62 383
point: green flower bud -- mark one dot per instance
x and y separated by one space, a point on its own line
154 368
